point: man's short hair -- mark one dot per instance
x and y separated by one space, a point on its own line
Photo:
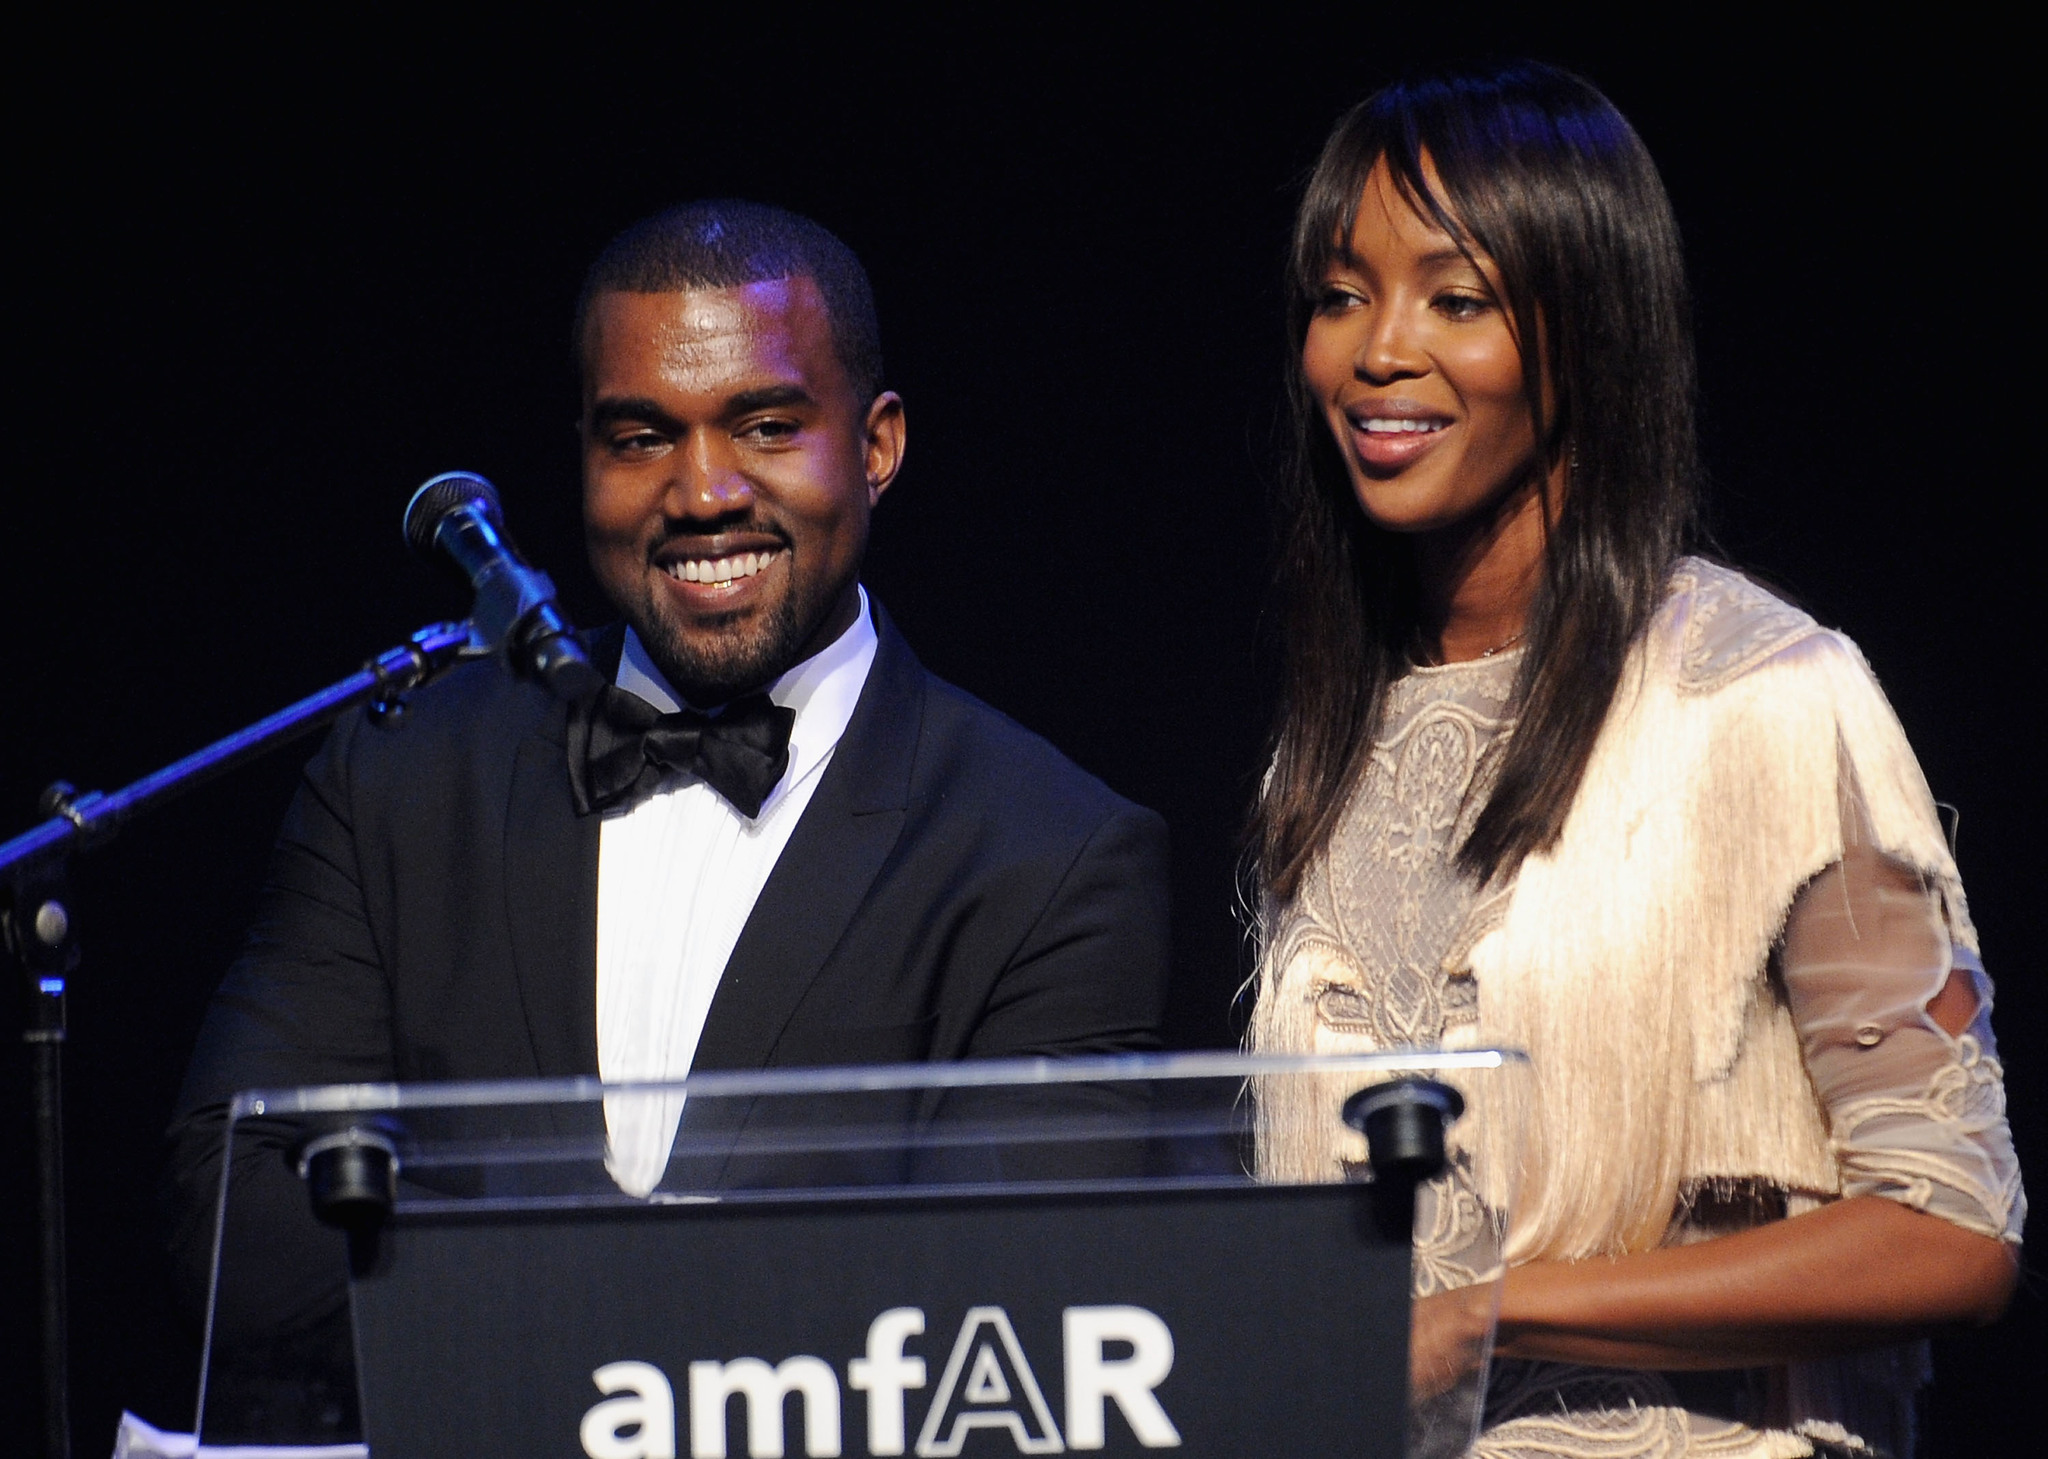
723 243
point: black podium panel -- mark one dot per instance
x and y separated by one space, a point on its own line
1240 1321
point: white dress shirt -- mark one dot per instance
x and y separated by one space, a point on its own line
677 878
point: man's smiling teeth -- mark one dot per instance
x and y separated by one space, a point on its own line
1380 427
720 570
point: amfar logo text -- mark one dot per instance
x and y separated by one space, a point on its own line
987 1384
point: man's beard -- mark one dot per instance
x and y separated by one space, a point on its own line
723 660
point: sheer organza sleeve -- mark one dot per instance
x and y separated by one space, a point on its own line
1918 1114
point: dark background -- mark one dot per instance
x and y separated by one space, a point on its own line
259 293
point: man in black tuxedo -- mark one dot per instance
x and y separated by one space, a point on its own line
847 860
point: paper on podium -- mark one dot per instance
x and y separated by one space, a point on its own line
137 1439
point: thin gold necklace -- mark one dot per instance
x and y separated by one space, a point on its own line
1431 661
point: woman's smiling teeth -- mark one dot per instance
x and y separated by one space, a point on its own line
1386 427
722 569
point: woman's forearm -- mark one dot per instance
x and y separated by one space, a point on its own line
1851 1274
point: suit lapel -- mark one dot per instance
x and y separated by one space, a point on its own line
551 894
824 873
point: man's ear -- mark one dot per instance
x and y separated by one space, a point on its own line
884 443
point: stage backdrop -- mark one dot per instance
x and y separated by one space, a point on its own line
260 293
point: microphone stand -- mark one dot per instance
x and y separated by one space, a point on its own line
41 932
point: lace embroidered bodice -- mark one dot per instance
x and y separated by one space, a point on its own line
1380 924
1386 901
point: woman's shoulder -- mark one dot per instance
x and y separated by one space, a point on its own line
1793 703
1718 625
1792 707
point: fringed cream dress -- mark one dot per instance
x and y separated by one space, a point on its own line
1720 973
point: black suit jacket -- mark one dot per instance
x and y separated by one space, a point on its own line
956 888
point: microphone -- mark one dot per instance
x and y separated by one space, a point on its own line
456 516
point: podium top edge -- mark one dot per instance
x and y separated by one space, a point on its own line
872 1078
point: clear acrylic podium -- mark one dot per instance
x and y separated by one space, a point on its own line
1031 1256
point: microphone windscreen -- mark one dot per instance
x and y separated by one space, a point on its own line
440 495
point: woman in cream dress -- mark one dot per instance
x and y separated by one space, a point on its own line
1541 779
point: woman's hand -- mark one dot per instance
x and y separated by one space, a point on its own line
1447 1339
1858 1273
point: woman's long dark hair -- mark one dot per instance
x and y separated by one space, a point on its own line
1535 169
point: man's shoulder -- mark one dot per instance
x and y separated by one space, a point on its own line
973 749
475 712
960 755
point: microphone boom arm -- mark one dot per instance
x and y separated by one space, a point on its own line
82 822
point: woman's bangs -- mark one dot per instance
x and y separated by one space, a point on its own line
1329 204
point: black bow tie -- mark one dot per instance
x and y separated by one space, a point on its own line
620 748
